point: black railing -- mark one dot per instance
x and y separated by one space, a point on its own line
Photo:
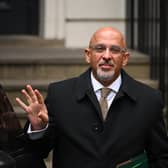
147 32
163 76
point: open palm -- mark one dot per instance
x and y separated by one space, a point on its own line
34 107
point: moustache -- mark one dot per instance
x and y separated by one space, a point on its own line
106 62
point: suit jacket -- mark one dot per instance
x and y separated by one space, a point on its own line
81 139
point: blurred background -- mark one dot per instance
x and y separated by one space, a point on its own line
42 41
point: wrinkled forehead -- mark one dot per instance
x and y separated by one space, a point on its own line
110 36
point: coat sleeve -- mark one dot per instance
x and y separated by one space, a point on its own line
157 143
42 142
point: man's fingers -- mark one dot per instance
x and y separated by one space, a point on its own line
21 104
31 93
26 95
39 96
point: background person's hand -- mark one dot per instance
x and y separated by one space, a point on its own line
35 108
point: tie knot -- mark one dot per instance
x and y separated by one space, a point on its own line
105 92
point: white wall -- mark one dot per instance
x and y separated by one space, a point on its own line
76 20
78 33
83 17
95 9
52 19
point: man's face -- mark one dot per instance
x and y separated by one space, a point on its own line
106 55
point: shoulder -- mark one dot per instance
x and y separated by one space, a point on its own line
72 83
58 91
147 90
139 89
62 85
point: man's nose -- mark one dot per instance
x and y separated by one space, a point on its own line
107 54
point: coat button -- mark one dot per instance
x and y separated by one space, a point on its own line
97 127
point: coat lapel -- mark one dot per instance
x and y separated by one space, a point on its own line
84 89
128 87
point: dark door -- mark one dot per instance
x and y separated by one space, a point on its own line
19 17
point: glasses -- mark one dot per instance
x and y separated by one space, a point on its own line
101 48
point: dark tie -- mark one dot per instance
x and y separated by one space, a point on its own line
103 101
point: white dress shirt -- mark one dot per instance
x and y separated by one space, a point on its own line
97 86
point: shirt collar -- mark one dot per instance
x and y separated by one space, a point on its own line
114 86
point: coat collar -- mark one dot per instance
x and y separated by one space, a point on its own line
84 86
128 86
85 89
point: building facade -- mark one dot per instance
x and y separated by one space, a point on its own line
70 20
144 23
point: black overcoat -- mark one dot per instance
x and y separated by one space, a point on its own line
81 139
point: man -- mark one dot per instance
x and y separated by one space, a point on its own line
71 121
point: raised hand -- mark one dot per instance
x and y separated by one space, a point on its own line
34 107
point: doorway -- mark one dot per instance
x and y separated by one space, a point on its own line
19 17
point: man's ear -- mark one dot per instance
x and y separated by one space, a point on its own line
87 55
125 58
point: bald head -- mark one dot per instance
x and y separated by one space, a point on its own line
106 54
108 32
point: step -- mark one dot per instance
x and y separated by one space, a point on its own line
28 41
13 87
58 63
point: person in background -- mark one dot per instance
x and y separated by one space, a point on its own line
101 119
14 151
9 123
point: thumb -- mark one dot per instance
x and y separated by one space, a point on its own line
43 117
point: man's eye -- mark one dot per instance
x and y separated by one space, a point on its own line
100 48
115 49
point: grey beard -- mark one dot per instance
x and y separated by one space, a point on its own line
104 76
